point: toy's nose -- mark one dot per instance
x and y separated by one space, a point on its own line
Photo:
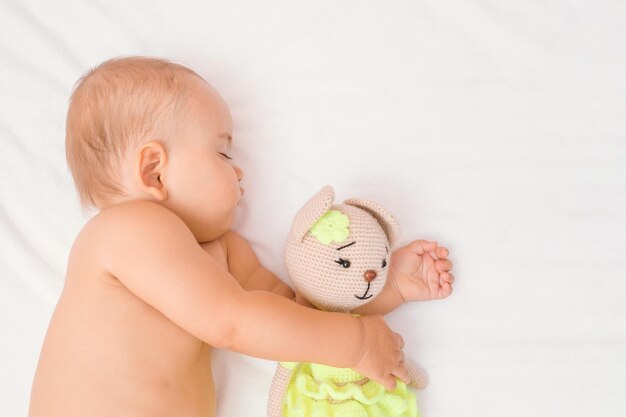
370 275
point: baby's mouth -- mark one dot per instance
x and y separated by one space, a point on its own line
365 296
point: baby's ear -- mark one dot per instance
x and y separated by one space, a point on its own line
311 212
387 220
150 161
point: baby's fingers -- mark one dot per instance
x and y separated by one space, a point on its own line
447 277
437 252
443 265
421 246
446 290
389 383
402 374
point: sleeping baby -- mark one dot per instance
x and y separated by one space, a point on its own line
156 279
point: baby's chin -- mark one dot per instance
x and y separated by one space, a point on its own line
211 231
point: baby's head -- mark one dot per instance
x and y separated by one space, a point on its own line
146 128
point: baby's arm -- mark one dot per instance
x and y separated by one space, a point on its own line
153 254
244 265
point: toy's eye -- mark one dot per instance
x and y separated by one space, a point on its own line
384 263
343 262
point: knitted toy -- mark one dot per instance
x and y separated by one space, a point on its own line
337 256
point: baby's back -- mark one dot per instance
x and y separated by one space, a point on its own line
108 353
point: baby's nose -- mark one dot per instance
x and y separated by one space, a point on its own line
370 274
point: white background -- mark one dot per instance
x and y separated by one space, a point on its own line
496 128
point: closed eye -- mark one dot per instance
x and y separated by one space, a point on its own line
223 154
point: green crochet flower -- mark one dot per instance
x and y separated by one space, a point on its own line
331 226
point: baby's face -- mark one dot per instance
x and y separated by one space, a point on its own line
201 177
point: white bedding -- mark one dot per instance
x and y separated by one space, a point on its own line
496 129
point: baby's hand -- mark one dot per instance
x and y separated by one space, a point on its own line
383 360
421 271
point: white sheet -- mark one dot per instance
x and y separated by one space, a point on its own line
496 129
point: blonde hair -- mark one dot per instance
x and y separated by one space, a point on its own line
118 105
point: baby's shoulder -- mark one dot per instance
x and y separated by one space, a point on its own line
118 237
132 213
118 221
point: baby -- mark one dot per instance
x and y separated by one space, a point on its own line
156 279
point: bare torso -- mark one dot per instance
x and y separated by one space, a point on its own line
108 353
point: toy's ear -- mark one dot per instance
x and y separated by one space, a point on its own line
387 220
311 212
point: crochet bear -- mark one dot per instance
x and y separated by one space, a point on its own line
336 256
